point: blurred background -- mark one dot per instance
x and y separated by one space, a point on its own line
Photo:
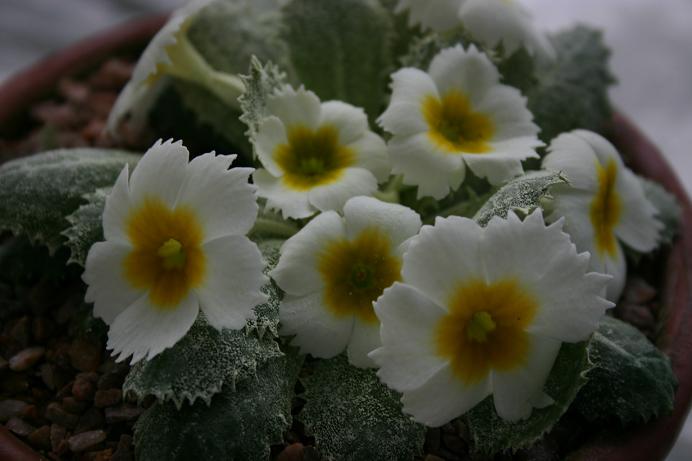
651 43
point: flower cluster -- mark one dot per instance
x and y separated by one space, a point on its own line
450 312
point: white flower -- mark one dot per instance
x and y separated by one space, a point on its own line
603 204
175 243
491 22
316 156
169 53
333 270
484 311
457 115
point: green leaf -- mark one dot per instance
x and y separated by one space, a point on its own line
267 314
341 49
669 210
200 364
521 194
37 193
260 83
355 417
572 91
631 379
86 226
491 434
239 424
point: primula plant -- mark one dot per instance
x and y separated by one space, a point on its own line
416 220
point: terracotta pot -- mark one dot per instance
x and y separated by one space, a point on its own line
643 443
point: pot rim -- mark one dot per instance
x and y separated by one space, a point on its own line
642 443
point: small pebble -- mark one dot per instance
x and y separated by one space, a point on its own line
637 315
83 389
57 436
10 408
92 419
107 398
41 329
74 406
122 413
40 437
15 383
85 440
433 458
85 355
102 455
21 332
19 427
638 291
454 443
26 359
293 452
56 414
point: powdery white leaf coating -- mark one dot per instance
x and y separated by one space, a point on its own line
631 379
355 417
85 226
239 424
37 193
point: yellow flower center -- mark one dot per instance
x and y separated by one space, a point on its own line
453 125
485 328
313 157
167 258
355 274
606 209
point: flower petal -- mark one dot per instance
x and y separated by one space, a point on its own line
353 182
573 156
117 209
516 393
443 255
365 338
292 203
438 15
223 199
496 168
468 71
318 332
297 273
144 331
398 222
234 277
408 318
160 173
104 274
404 115
270 135
442 398
372 155
638 226
350 121
434 172
295 107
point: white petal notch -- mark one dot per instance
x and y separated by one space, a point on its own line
315 155
175 245
492 326
457 115
494 23
604 205
334 269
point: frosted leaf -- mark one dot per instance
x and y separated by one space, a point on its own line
632 380
267 314
353 416
200 364
239 424
521 194
86 226
37 193
491 434
669 210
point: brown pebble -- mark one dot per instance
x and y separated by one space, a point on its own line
85 355
26 359
31 413
15 383
74 406
94 130
454 443
107 398
83 389
40 437
85 440
57 414
72 91
124 450
293 452
637 315
49 376
102 455
122 413
21 333
11 408
112 75
92 419
55 114
57 436
41 329
111 380
101 102
433 458
638 291
19 427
